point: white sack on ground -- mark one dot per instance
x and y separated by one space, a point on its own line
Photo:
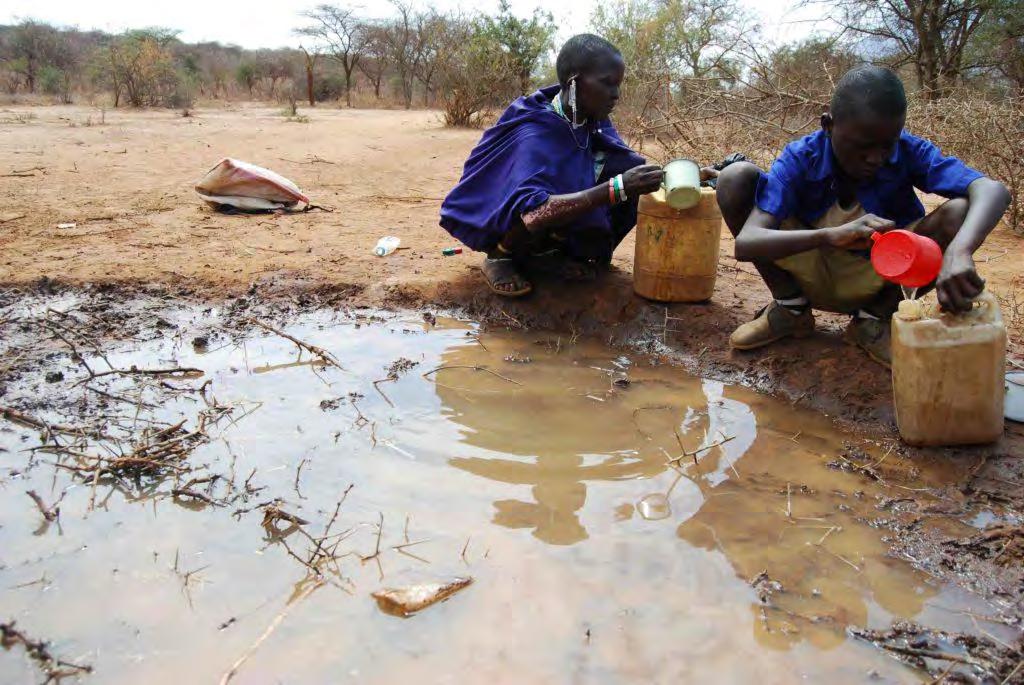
247 186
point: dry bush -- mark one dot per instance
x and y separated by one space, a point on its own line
475 78
1012 305
706 122
754 104
988 135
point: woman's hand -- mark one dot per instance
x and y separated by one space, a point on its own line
643 179
707 173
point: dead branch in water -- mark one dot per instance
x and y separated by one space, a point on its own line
49 513
39 651
272 514
376 387
380 532
323 354
185 492
269 631
75 354
318 549
395 370
16 416
475 368
181 372
694 453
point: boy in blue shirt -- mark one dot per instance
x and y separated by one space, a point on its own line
806 223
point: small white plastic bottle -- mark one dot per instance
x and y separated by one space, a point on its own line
387 245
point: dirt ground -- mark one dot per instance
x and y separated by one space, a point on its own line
124 179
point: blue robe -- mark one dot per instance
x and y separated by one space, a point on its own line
530 154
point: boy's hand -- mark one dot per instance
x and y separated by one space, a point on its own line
958 282
642 179
856 235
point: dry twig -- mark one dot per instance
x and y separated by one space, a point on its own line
39 651
323 354
475 368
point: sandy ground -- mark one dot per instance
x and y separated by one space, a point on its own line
128 185
125 178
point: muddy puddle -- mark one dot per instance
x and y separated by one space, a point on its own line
614 513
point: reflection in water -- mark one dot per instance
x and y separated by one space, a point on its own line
562 447
561 432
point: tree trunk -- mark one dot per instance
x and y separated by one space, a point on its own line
309 83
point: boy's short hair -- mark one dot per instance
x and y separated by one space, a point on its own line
578 54
869 90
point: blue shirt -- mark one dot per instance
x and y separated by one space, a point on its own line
802 181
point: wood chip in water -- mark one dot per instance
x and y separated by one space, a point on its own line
406 601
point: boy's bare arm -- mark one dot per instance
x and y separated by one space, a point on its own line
958 282
761 238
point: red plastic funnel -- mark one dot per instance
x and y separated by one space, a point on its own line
906 258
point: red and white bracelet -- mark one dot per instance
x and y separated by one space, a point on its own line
616 190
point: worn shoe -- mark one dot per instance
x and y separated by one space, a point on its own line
874 336
774 322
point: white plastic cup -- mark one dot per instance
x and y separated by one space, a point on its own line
682 183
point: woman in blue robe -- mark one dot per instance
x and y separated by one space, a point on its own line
551 185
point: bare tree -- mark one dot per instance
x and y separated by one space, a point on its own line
932 35
309 60
671 46
637 28
436 38
218 65
402 46
374 63
1000 43
340 33
702 35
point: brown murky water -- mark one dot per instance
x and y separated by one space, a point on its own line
595 558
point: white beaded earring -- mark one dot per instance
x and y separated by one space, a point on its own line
572 101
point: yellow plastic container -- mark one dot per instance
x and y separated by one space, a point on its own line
948 372
676 257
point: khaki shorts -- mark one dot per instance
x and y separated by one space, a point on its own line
834 279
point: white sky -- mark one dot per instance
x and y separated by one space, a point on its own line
268 23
